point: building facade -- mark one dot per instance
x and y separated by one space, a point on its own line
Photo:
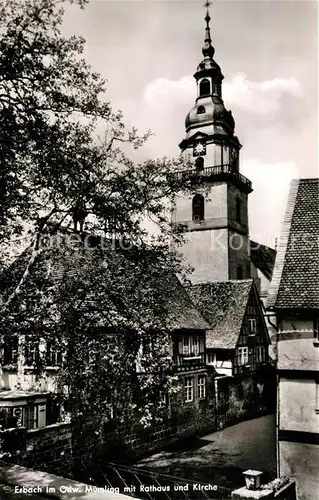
237 342
293 302
215 218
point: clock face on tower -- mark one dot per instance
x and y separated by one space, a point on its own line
199 148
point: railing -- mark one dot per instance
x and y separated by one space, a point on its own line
219 171
183 362
149 485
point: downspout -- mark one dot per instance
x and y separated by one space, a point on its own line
277 426
276 328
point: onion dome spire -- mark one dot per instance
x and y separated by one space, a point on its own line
208 50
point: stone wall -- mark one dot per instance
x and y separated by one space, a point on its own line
61 449
230 400
48 448
300 460
243 397
133 443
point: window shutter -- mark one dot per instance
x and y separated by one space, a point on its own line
201 345
180 345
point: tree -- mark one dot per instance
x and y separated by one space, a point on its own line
50 105
56 172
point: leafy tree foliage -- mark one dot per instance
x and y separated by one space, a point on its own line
55 172
50 105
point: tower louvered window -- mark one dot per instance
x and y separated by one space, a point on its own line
204 87
198 207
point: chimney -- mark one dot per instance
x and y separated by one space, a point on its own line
252 479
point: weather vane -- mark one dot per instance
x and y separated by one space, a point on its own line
207 4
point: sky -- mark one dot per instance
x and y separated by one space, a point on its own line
148 51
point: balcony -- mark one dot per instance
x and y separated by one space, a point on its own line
225 173
189 362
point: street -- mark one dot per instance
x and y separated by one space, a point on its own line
222 456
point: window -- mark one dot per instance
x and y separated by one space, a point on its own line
189 389
53 355
210 359
191 345
28 416
195 346
252 322
240 272
261 354
199 163
201 387
238 210
186 345
222 355
204 87
242 355
198 207
8 350
31 352
200 110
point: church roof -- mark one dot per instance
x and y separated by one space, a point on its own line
295 283
223 304
170 293
263 258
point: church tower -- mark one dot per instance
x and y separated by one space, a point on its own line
215 217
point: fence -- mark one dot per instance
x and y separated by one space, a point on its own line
149 485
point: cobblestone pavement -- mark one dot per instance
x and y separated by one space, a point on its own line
222 456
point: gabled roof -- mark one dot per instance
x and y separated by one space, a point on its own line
191 137
295 283
181 312
263 258
223 304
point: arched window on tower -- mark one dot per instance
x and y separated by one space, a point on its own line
204 87
238 210
198 207
199 163
200 110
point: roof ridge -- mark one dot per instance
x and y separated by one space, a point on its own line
283 244
308 179
246 280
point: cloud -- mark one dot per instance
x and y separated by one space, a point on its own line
258 107
267 203
255 97
260 97
162 90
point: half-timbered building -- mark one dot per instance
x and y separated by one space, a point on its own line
293 304
237 342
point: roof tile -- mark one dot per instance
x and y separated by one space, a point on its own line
223 304
296 277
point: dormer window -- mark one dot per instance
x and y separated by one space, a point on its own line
252 326
198 207
242 356
204 87
200 110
